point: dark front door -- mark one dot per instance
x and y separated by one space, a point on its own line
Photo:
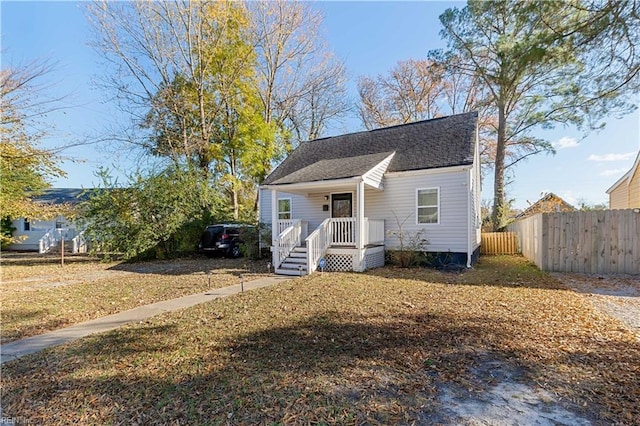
342 205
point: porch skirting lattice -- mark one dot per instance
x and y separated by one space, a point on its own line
374 259
339 262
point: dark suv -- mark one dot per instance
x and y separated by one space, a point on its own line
222 239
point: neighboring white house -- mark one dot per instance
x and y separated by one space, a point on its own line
625 193
44 235
345 199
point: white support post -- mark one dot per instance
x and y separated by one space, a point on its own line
360 231
360 237
274 228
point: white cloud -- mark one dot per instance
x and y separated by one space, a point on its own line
612 157
566 142
613 172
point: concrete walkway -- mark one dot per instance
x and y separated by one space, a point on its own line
30 345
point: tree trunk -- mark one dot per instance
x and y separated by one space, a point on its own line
234 188
499 203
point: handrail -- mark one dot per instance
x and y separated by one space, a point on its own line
287 240
49 240
317 243
284 224
79 243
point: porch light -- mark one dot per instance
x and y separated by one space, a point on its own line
326 198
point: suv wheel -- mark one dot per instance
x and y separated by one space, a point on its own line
235 252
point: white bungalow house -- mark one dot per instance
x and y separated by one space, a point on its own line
44 235
345 199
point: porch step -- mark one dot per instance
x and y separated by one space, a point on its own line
293 262
292 272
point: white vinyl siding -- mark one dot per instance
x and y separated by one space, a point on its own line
30 239
428 206
397 206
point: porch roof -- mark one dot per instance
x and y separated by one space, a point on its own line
335 168
441 142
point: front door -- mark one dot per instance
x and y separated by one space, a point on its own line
342 205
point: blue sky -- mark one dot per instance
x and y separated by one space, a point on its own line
371 37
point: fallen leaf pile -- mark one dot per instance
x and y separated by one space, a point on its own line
341 348
41 296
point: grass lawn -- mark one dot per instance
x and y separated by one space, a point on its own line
39 295
341 348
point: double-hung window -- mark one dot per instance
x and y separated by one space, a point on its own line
284 208
428 206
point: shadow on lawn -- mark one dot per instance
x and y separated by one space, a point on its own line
367 369
499 271
195 265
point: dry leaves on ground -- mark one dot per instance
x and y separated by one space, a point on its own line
39 295
387 347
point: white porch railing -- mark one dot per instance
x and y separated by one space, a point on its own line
374 231
343 231
287 240
80 243
284 224
49 239
317 244
52 238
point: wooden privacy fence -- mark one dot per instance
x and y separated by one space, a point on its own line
498 243
603 242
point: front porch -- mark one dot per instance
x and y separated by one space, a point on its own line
324 219
344 243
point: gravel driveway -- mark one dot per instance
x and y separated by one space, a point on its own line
616 295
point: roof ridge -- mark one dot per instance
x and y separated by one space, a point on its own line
395 126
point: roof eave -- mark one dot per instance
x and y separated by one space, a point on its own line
313 185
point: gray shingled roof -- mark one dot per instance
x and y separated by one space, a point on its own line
335 168
440 142
62 196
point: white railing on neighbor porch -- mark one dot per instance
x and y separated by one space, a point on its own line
343 231
374 231
80 244
50 239
287 240
317 243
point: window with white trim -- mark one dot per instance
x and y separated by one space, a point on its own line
284 208
428 205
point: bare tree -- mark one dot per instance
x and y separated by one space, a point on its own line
185 72
302 85
411 91
423 89
156 59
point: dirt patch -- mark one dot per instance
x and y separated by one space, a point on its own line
501 395
615 295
